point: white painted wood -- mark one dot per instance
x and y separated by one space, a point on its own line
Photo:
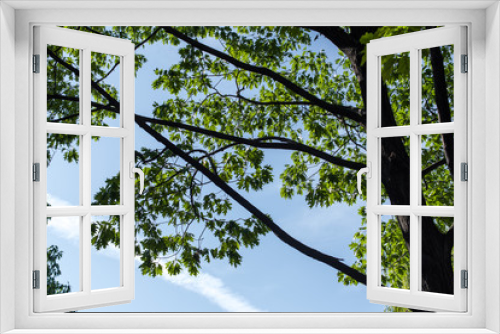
7 168
95 210
245 4
399 131
86 43
491 162
406 210
414 42
373 186
76 129
195 13
255 331
415 168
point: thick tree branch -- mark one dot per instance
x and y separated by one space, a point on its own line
442 103
432 167
348 112
286 144
280 233
136 47
349 44
268 103
96 86
113 103
77 99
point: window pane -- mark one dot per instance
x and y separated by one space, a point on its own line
395 170
394 255
105 256
437 178
63 85
63 255
63 170
105 170
437 254
105 105
437 84
395 72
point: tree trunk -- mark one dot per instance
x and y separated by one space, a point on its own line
437 270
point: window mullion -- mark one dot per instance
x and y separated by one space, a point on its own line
415 168
85 243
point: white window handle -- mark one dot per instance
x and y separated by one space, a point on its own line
139 171
366 170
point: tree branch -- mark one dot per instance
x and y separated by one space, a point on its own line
77 99
442 103
433 166
331 261
349 44
281 234
348 112
291 146
286 144
269 103
112 101
136 47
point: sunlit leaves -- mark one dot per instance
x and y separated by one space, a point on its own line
54 255
183 220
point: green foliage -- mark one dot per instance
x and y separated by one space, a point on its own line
53 271
183 220
437 185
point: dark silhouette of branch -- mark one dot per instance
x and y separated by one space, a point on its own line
282 235
338 110
433 166
442 103
102 91
89 29
331 261
269 103
136 47
349 44
148 38
285 144
77 99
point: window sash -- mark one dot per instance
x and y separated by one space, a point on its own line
413 42
86 43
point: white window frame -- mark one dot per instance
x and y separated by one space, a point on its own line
16 21
414 43
84 297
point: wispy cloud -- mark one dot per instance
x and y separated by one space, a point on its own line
207 285
213 289
63 227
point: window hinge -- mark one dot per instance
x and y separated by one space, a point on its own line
36 279
464 171
36 172
36 63
465 63
465 279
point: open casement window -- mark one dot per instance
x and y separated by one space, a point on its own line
80 122
422 150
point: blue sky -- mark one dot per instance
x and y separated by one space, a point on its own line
272 278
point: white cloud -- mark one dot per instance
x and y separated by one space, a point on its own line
207 285
63 227
214 290
54 201
317 219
